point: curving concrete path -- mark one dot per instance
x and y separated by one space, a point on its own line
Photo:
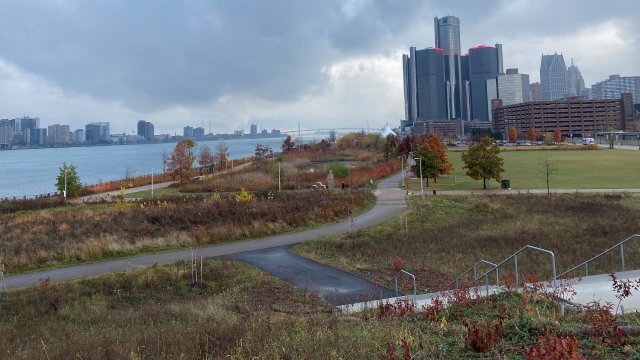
390 201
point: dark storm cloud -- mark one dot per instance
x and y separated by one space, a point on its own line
150 54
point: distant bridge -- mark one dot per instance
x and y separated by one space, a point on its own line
307 131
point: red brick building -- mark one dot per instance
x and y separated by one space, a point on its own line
574 116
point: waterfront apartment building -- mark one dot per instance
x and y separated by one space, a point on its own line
613 87
424 85
58 134
574 116
97 132
254 131
553 77
485 63
78 136
146 130
187 132
36 137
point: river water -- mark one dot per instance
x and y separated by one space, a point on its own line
33 172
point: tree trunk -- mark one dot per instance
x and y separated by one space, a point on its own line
427 181
484 183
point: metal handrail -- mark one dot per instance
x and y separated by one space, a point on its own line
515 257
474 268
395 279
586 263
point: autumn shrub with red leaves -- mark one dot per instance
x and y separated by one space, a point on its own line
399 309
406 351
432 311
554 347
604 325
397 264
481 339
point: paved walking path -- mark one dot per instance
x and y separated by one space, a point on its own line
389 203
335 286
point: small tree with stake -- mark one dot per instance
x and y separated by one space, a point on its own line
548 169
483 161
68 180
431 163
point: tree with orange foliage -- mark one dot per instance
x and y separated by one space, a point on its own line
557 135
532 135
180 164
435 143
513 134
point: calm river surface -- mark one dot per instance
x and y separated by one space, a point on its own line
34 171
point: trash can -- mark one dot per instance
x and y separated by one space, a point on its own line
505 184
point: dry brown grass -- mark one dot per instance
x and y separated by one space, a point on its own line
450 234
88 232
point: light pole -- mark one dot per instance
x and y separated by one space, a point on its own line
402 167
279 184
152 171
638 141
421 187
65 183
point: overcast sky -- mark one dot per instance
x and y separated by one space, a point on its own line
324 63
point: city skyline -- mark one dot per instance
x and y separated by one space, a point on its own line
75 63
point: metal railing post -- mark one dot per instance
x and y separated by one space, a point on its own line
396 282
586 269
553 264
456 283
497 277
475 273
516 267
486 283
622 255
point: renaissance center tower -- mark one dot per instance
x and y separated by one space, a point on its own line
447 36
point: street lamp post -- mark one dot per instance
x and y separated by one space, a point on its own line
638 141
421 187
402 167
279 184
65 183
152 171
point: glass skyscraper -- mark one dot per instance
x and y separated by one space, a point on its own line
553 77
424 90
485 63
447 38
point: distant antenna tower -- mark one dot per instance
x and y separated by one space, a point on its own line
209 126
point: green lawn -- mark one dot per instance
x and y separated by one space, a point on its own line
576 169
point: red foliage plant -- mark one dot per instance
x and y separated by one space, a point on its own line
397 264
552 347
399 309
481 339
604 325
432 311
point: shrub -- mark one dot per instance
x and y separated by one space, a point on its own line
339 170
481 339
554 347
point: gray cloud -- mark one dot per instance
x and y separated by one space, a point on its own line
149 58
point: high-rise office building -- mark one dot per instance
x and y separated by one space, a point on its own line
536 91
424 87
146 130
613 87
254 131
447 38
198 133
514 88
575 82
6 133
553 77
485 63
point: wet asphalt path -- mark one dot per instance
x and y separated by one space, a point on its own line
389 203
335 286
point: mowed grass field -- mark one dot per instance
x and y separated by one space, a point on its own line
576 169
